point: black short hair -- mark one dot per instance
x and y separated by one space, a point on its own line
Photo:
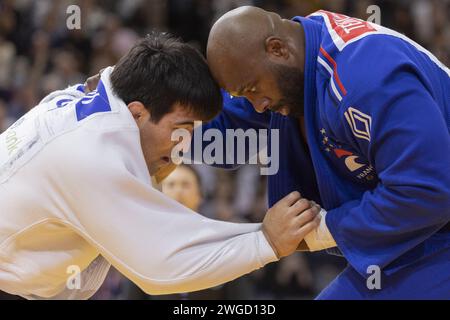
161 70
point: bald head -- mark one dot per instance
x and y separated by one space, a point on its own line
250 50
244 28
239 36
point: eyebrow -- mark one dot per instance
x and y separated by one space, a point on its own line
183 123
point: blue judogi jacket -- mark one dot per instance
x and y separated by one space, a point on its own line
377 115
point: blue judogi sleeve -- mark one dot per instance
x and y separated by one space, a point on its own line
237 113
394 120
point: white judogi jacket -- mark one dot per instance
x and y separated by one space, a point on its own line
75 193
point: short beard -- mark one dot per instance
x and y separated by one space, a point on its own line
291 85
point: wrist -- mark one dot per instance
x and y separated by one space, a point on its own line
269 240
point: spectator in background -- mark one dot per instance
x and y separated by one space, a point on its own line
184 185
4 121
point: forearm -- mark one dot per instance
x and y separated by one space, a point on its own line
213 253
206 265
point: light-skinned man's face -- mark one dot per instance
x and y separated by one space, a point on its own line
156 137
182 185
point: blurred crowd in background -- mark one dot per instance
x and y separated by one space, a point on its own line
38 55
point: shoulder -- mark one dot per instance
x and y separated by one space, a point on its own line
362 55
84 155
367 65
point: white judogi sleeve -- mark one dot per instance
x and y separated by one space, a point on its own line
72 164
157 243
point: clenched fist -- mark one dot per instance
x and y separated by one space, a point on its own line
289 221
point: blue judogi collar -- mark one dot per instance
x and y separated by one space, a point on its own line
318 182
296 171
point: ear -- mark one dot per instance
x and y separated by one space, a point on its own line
276 48
139 112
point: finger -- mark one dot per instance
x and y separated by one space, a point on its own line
93 82
307 216
88 85
299 206
307 228
290 199
314 204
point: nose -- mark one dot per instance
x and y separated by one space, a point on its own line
177 191
260 104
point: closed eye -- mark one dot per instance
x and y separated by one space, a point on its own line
252 89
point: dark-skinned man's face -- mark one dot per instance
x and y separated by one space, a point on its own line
271 86
260 56
290 85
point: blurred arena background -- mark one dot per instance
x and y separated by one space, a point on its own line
38 54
